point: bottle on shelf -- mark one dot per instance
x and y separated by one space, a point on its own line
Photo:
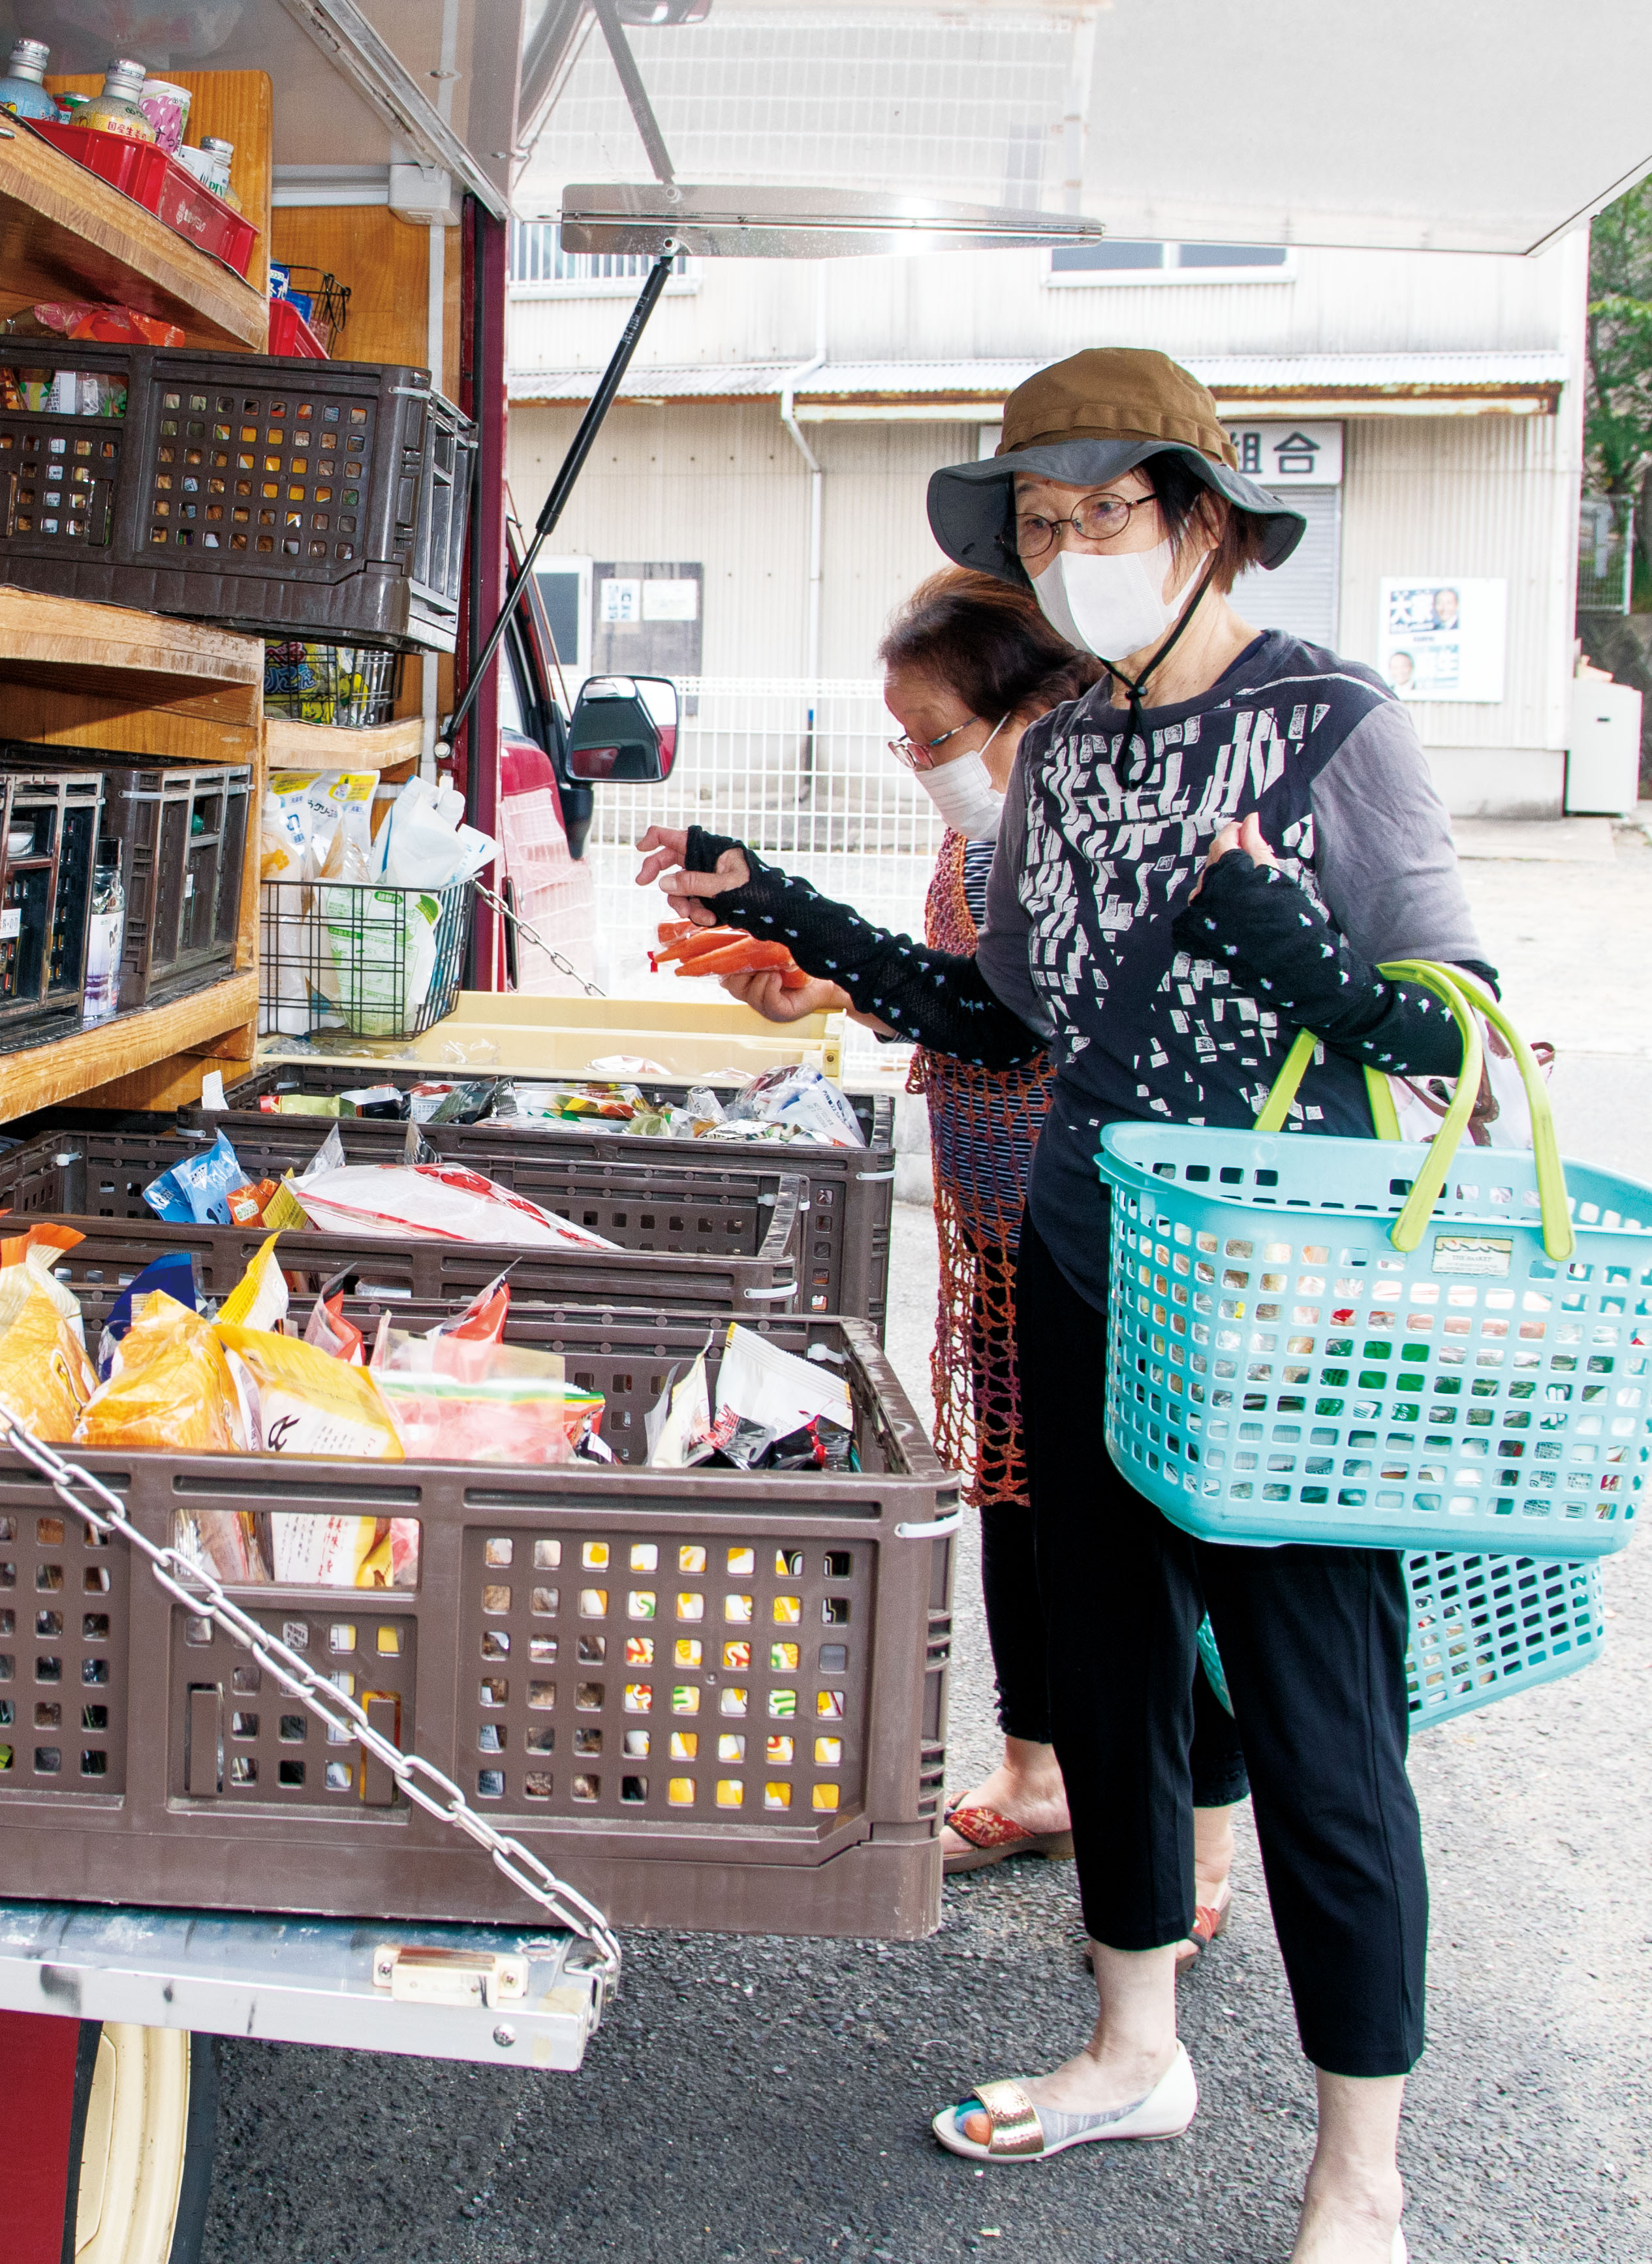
106 935
21 90
115 111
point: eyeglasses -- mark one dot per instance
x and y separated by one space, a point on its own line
1095 519
919 754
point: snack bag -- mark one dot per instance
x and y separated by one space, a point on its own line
258 1299
34 1254
196 1190
300 1401
247 1204
332 1552
328 1330
442 1202
46 1378
172 1272
171 1387
766 1396
803 1101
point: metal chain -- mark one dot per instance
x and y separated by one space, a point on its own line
420 1780
533 936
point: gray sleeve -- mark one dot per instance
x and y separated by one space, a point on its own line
1383 850
1001 947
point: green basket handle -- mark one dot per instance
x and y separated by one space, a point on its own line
1559 1239
1457 992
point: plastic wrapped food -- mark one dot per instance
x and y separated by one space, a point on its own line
171 1387
457 1400
298 1400
766 1396
173 1274
46 1378
258 1299
437 1202
802 1100
195 1192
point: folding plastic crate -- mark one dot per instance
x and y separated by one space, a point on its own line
698 1242
274 495
48 839
709 1699
183 839
845 1249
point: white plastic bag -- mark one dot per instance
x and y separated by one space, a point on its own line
434 1203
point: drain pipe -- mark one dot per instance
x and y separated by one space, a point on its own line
788 418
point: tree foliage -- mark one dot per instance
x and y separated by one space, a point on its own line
1617 426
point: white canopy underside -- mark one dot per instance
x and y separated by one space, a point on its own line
1475 127
1481 125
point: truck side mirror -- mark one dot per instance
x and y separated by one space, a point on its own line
624 730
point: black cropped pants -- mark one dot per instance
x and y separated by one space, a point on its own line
1313 1643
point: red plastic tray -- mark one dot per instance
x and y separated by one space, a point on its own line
144 172
291 334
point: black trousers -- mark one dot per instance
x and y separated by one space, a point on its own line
1313 1642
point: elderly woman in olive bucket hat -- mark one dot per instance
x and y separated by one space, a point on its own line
1219 842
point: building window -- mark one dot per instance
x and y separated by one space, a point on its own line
1118 260
538 262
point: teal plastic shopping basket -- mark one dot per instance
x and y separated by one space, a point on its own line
1482 1627
1318 1340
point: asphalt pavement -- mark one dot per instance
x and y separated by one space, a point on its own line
766 2099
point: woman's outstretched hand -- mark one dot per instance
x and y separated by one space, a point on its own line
763 993
663 849
1247 837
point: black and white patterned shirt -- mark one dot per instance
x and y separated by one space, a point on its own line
1099 846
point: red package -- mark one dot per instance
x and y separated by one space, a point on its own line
110 325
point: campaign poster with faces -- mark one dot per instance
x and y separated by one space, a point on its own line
1442 636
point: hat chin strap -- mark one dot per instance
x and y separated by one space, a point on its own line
1135 686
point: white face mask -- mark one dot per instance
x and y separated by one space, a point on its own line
1110 603
963 792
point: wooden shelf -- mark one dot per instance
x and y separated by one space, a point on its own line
323 747
65 644
103 677
64 233
217 1023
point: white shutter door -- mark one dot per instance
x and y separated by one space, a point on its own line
1300 596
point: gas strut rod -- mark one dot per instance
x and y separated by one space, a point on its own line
572 465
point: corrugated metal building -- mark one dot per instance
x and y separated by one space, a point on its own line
1425 409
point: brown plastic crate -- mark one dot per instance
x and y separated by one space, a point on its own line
183 879
274 495
446 1274
852 1190
507 1667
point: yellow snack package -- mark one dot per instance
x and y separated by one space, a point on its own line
46 1378
300 1401
258 1299
171 1387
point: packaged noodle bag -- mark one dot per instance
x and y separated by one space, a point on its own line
46 1378
171 1386
298 1400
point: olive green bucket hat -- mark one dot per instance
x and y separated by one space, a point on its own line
1086 420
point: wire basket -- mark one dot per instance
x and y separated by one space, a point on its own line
348 685
380 962
1483 1627
1317 1339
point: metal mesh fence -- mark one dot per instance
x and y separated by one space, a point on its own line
1606 554
802 771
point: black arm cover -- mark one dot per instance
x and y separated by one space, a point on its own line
934 999
1255 920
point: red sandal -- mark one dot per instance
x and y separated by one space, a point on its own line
990 1838
1209 1920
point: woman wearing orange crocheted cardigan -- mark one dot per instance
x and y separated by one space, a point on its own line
970 662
